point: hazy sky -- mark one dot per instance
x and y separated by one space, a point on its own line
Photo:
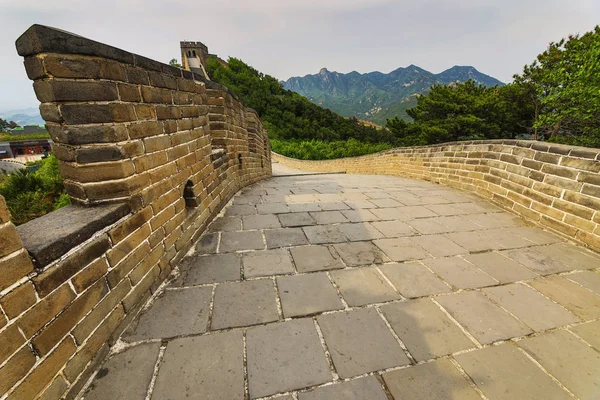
287 38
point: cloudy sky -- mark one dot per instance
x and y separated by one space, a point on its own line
287 38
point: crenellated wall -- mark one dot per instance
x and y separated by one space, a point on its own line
556 186
150 154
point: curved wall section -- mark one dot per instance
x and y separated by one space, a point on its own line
556 186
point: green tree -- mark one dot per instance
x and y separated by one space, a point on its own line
173 62
4 125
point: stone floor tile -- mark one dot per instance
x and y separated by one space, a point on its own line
296 219
244 303
333 206
210 366
428 226
273 198
530 306
359 204
535 235
502 372
573 256
590 332
304 195
285 237
359 215
483 319
207 244
438 245
537 262
580 301
473 241
363 286
425 330
323 234
377 194
439 380
173 313
388 214
394 229
266 263
212 269
260 221
472 208
367 388
572 362
307 294
247 199
414 280
272 208
418 212
225 224
488 221
353 194
117 380
240 209
460 273
385 203
355 349
328 217
314 258
587 279
360 253
446 209
243 240
285 356
506 239
501 268
457 224
408 199
360 231
304 207
401 249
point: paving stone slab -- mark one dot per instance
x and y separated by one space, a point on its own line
428 226
260 221
207 244
503 372
284 357
267 262
535 261
204 367
460 273
117 380
239 241
332 206
572 362
296 219
244 303
447 209
587 279
226 224
438 245
483 319
499 267
247 199
590 332
418 212
272 208
457 223
489 221
285 237
573 256
425 330
212 269
173 313
386 203
307 294
394 229
363 286
414 280
580 301
473 241
304 207
360 231
356 350
367 388
535 235
359 215
506 239
240 209
314 258
360 253
360 204
535 310
439 380
389 214
328 217
324 234
401 249
378 194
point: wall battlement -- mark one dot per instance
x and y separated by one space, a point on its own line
149 154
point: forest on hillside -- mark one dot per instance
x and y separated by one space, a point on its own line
556 98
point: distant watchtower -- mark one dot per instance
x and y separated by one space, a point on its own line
194 56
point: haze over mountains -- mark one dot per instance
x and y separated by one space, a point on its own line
376 96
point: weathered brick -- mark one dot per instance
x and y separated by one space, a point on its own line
145 112
53 91
156 95
547 158
88 134
130 93
146 265
90 274
582 200
145 129
124 247
562 183
96 154
45 310
55 390
141 290
547 210
560 171
170 126
149 161
125 228
18 300
580 223
591 190
594 179
57 329
97 113
137 75
116 188
97 172
587 165
15 369
558 226
14 267
532 164
160 219
161 80
118 273
10 241
11 340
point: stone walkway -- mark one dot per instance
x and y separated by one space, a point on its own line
325 287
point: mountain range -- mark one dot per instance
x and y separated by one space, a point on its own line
376 96
26 116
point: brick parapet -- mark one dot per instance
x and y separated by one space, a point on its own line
131 130
556 186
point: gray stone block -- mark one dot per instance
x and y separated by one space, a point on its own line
367 388
307 294
296 219
314 258
285 237
363 286
360 253
212 269
267 262
239 241
414 280
259 221
324 234
460 273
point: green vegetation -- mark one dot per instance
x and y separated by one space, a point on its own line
4 125
31 194
320 150
6 137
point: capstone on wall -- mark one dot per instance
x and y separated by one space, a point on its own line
149 154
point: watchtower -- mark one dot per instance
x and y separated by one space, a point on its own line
194 56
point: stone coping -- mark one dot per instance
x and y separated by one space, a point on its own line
51 236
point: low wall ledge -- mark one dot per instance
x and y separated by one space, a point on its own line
51 236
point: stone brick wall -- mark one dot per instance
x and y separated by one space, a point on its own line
166 147
556 186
